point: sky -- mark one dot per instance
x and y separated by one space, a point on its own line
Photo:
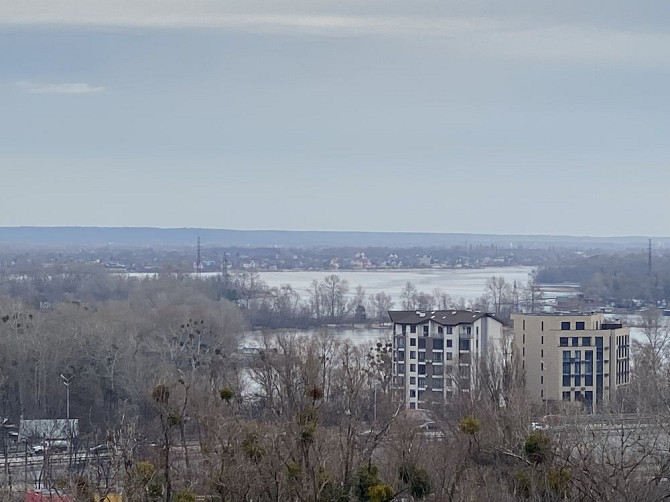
505 117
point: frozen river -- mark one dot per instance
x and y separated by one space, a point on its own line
460 282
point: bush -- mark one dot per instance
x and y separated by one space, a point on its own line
417 479
226 394
184 495
470 425
380 493
538 447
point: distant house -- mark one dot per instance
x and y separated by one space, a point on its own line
424 261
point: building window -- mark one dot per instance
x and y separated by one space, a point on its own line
542 340
422 343
422 382
575 341
523 351
412 342
523 338
542 326
412 393
565 326
412 380
450 343
541 379
566 355
440 330
477 331
438 344
404 329
541 352
412 354
425 330
566 380
542 393
450 330
412 406
422 356
563 341
412 368
437 370
566 396
586 341
524 324
401 369
450 356
438 357
412 329
464 344
579 325
422 369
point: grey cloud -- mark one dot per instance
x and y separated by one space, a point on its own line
59 88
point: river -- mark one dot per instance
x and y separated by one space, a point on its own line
466 283
457 282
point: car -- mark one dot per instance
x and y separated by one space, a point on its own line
101 449
431 430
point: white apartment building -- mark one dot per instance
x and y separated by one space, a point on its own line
435 353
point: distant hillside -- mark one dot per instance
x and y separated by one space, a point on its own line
150 236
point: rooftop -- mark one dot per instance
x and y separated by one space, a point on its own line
443 317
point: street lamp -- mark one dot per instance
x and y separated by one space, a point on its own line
544 387
66 382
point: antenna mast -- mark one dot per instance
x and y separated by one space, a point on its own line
198 261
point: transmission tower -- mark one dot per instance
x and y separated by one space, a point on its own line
198 261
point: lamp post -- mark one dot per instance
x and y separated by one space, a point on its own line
544 387
66 382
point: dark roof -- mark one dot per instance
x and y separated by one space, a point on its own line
443 317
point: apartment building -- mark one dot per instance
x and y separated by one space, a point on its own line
435 353
573 357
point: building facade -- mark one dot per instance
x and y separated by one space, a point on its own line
573 357
436 353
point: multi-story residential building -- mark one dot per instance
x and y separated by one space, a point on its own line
435 353
572 357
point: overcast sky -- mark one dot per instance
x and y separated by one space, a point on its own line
490 116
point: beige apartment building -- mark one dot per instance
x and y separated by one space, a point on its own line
573 357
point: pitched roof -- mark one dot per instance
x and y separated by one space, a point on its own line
443 317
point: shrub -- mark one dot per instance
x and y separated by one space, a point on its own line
226 394
538 447
469 425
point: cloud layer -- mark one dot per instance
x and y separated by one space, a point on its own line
59 88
